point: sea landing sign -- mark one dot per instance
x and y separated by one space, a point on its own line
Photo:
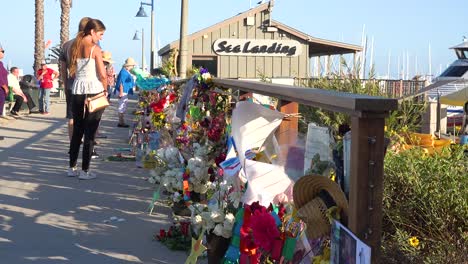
257 47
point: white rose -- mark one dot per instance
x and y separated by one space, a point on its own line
152 180
227 232
229 218
217 217
160 153
206 76
203 188
218 230
197 220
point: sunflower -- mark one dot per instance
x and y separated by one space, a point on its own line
413 241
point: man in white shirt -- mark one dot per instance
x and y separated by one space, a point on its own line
20 96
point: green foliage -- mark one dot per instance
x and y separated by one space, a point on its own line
168 65
263 77
349 84
408 117
426 196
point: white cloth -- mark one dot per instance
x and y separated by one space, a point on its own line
86 80
123 104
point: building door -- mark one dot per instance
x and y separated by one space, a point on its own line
208 62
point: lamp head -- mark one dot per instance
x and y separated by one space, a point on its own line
135 37
141 12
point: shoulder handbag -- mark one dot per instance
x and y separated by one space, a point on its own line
97 102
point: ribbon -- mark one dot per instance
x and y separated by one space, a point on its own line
288 248
186 190
233 253
197 249
156 196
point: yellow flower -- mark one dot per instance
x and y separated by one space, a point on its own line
413 241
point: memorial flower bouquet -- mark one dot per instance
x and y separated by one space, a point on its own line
212 218
162 107
201 139
177 237
263 235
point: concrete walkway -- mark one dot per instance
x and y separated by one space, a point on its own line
46 217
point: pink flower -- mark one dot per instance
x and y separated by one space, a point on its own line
264 229
213 98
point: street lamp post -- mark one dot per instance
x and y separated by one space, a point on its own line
135 37
142 13
183 39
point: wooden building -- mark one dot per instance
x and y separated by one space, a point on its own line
251 45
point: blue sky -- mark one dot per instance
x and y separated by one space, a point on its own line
398 26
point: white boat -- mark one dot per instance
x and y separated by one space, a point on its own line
457 74
452 85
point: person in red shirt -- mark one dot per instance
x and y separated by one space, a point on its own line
46 77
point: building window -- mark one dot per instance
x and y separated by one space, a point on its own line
208 62
455 71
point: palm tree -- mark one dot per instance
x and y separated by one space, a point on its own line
65 6
39 35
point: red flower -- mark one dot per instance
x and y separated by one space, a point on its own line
159 106
162 233
220 158
281 211
256 206
172 97
264 229
184 228
213 98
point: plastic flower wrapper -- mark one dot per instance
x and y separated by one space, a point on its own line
171 117
176 197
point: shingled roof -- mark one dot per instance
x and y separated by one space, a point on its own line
317 46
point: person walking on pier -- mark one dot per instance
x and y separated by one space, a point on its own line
87 67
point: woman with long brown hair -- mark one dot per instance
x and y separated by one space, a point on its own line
87 67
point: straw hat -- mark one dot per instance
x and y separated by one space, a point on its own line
130 62
313 195
107 56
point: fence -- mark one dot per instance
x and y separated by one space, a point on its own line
367 145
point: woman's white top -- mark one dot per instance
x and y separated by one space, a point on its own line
86 77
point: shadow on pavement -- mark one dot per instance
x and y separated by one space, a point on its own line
46 217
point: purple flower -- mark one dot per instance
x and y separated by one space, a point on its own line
203 70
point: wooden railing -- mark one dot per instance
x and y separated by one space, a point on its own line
367 146
388 88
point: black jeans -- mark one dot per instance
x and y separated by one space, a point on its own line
19 102
85 123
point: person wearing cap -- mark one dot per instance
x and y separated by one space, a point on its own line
46 77
3 81
107 58
19 95
124 85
